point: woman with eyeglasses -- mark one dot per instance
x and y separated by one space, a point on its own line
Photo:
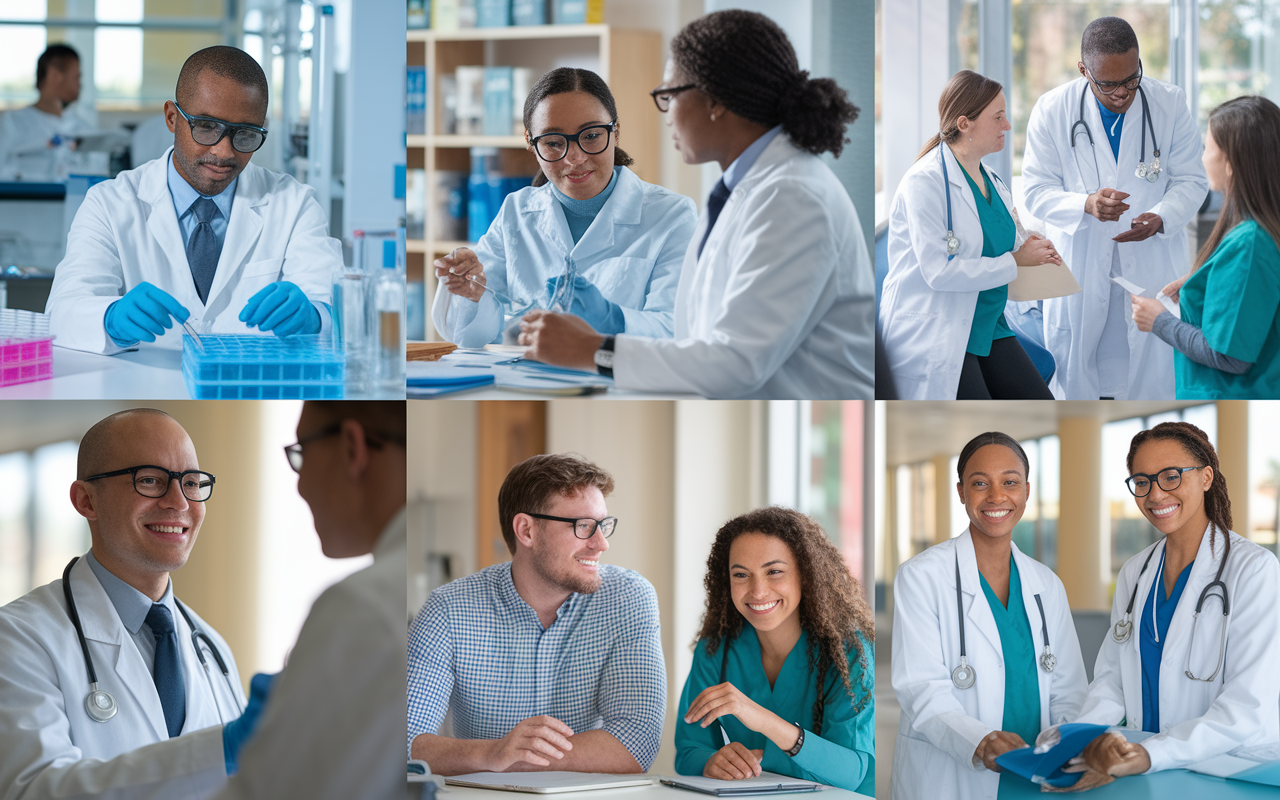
1188 667
782 678
1227 337
775 298
589 238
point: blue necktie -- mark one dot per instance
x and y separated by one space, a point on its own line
203 248
714 203
168 670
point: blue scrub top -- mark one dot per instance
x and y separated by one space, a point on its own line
1152 651
1021 684
999 233
1114 123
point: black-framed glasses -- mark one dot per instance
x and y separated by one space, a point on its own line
1109 87
152 481
208 131
293 452
585 527
591 140
662 95
1168 479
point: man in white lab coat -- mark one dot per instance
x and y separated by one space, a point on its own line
199 236
38 143
335 723
1112 167
163 727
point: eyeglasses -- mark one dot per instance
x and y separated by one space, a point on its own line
208 131
1168 479
293 452
153 481
662 95
586 527
1109 87
555 146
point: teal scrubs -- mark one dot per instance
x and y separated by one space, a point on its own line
1151 639
998 236
842 754
1021 683
1233 299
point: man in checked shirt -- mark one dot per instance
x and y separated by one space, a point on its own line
552 661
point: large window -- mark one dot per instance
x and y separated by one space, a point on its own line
837 466
1239 51
1264 474
39 530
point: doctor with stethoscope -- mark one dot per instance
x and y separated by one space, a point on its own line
1195 638
1112 168
954 246
985 654
109 685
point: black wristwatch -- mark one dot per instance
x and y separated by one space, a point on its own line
795 748
604 357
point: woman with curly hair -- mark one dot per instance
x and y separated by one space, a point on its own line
1191 656
793 691
776 292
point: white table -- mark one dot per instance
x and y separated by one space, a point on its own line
655 792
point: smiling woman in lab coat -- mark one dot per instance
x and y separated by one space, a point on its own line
776 293
942 310
977 681
1229 698
625 237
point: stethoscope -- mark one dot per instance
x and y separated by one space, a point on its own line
953 244
965 675
99 704
1152 173
1122 631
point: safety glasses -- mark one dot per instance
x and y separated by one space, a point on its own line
208 131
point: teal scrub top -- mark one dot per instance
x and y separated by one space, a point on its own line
1233 299
1021 684
842 754
998 236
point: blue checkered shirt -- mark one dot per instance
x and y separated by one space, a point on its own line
477 648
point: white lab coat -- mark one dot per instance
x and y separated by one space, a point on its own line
927 304
781 303
50 748
1056 182
25 151
1198 720
941 726
126 232
333 728
631 252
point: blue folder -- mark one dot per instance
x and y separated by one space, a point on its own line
1047 767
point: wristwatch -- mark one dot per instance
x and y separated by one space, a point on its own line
604 357
795 748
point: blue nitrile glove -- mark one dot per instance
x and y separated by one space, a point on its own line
236 732
281 307
588 303
144 313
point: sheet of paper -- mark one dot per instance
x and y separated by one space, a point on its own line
1133 288
1043 282
767 780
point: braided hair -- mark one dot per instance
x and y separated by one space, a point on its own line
1217 505
744 61
832 609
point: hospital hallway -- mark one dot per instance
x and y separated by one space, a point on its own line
887 710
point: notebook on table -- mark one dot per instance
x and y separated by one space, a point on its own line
547 782
767 783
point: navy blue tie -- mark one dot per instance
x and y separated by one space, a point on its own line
203 248
714 203
168 669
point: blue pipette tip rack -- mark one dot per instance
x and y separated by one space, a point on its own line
262 367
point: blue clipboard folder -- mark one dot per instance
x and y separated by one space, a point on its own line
445 381
1046 767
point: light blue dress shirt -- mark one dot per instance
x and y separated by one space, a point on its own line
747 159
184 195
133 607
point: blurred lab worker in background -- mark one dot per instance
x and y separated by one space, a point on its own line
200 237
102 690
776 292
1112 167
37 143
332 726
624 238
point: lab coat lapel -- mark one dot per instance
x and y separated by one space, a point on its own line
1178 638
1106 162
978 618
622 208
102 625
243 229
549 220
960 190
978 613
162 224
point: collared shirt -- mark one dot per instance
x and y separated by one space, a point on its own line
184 196
478 649
133 607
579 214
747 159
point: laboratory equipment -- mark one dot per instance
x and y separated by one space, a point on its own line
26 348
389 308
257 367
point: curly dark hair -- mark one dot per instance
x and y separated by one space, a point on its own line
744 61
832 608
1217 505
562 80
